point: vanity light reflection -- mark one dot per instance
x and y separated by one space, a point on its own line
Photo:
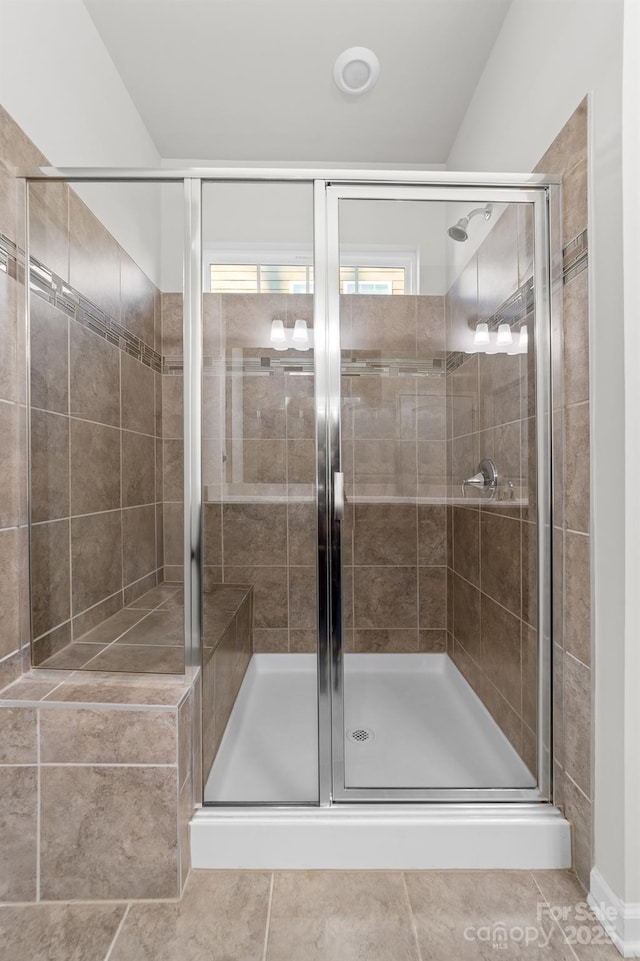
283 338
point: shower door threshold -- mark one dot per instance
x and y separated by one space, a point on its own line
364 836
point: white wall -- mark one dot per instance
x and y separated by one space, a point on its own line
631 194
257 214
60 85
548 56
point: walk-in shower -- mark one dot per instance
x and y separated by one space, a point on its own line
368 606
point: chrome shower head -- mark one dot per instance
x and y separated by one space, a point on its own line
459 231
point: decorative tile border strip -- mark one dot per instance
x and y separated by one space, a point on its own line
575 257
46 284
9 262
57 292
352 367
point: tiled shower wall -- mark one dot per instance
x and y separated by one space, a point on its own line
15 150
492 544
122 743
572 629
567 156
393 446
95 425
484 545
259 442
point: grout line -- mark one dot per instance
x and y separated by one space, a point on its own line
69 468
486 676
110 644
20 765
52 631
576 659
417 507
286 481
117 934
98 903
180 854
484 593
268 923
576 786
121 478
85 420
555 920
86 705
112 510
412 919
92 607
38 806
100 764
59 684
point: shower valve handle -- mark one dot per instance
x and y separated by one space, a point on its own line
485 480
338 495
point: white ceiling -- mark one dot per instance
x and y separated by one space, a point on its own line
252 80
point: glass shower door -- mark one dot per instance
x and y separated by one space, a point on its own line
438 303
258 480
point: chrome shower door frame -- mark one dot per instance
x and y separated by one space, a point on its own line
330 186
328 395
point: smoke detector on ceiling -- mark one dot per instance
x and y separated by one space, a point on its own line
356 70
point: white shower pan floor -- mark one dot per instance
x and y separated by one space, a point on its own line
425 726
430 730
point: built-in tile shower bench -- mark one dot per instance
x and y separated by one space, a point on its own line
227 619
102 771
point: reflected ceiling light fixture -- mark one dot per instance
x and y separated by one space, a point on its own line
504 338
481 336
278 336
356 70
459 231
300 336
523 340
284 338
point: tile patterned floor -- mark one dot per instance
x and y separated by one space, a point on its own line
322 916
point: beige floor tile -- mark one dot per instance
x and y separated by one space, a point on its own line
58 932
221 917
481 914
108 832
340 916
567 902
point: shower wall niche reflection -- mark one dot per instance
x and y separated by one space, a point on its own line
104 595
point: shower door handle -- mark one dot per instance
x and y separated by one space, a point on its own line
338 495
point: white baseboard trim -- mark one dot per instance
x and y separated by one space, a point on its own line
620 919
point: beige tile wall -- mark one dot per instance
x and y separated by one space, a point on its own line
259 442
567 156
15 150
490 402
78 783
393 427
95 426
227 620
